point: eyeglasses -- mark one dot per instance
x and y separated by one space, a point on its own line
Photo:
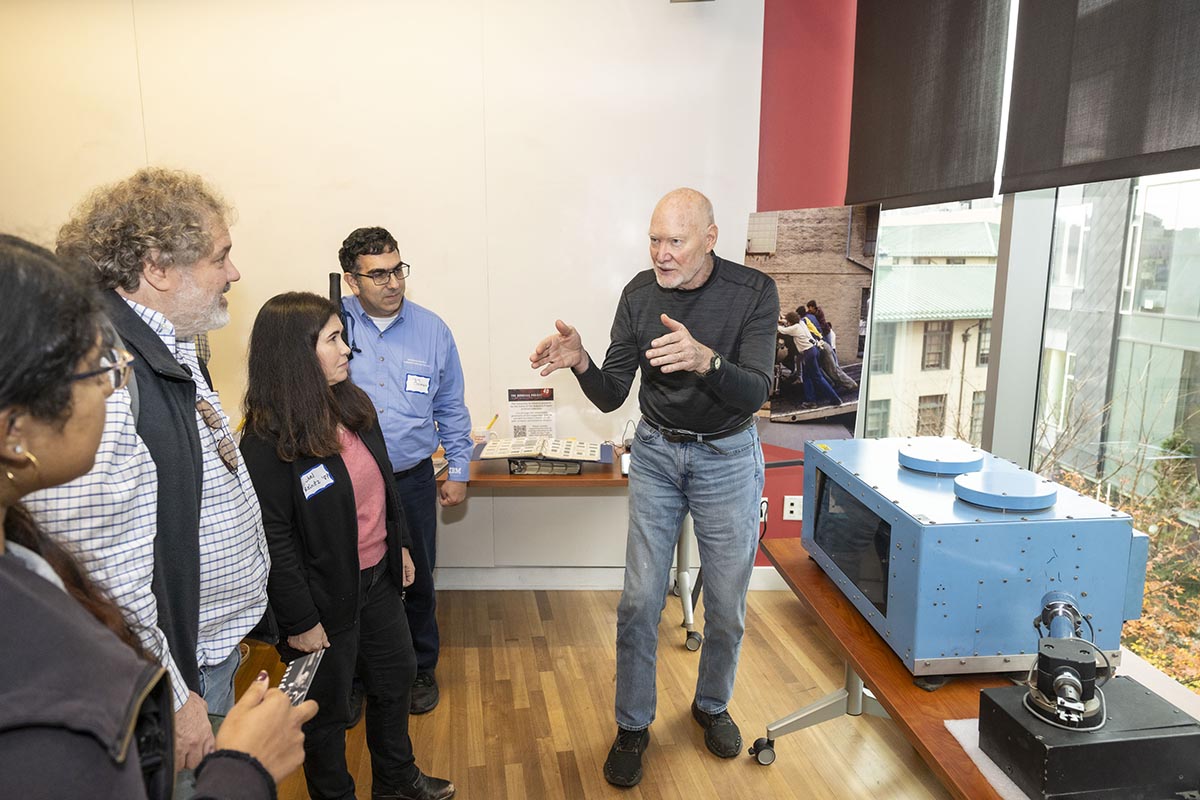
226 449
114 362
382 277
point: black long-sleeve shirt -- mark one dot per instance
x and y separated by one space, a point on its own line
734 312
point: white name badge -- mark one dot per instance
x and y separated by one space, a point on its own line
315 481
417 383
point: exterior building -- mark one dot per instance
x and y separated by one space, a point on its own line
931 334
1120 380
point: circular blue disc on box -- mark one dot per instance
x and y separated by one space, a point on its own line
938 456
1006 491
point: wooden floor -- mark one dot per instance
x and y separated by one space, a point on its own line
526 708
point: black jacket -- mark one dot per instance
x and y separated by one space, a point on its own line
81 715
314 541
166 422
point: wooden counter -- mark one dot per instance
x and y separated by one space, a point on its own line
920 715
493 474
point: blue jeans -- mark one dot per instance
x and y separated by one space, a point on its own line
720 483
816 386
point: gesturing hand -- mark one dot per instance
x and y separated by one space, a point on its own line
677 351
560 350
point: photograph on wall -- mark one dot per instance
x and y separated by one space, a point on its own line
822 260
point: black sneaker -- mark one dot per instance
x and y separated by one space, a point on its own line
423 788
623 767
424 694
721 733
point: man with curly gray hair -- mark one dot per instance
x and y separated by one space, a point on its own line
167 520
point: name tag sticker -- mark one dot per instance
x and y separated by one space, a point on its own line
417 383
315 481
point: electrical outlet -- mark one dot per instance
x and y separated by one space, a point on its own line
762 510
793 506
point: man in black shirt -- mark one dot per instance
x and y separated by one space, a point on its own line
702 331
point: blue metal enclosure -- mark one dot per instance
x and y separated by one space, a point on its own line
947 550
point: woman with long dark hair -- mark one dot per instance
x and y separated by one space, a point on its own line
82 712
339 543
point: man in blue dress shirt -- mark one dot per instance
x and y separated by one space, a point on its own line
405 359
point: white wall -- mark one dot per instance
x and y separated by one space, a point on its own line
514 147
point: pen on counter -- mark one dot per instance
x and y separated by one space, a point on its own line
493 422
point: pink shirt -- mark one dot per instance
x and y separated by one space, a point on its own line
369 497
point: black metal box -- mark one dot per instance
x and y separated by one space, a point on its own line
1147 749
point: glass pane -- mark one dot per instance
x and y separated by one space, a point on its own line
931 310
857 540
1119 390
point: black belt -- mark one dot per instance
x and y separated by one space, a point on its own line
404 473
677 436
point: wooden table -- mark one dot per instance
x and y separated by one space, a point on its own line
919 714
493 474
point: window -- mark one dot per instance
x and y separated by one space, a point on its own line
762 233
922 260
864 314
878 412
983 347
883 348
977 402
935 350
1164 236
956 260
931 415
1119 381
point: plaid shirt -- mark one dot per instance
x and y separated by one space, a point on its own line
107 518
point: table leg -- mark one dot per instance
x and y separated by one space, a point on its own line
853 699
683 582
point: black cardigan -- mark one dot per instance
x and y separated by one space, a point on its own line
314 541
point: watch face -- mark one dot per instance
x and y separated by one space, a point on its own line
716 363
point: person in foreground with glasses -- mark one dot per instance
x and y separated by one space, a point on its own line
339 543
83 713
167 519
408 365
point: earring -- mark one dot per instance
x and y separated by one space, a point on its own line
17 448
11 478
32 458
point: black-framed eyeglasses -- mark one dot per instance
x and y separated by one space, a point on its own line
114 362
382 277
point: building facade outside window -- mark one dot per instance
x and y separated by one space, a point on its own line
983 347
1118 408
975 435
935 348
931 415
935 272
878 412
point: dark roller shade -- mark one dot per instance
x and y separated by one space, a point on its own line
1103 90
925 118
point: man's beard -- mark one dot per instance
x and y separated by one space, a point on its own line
196 310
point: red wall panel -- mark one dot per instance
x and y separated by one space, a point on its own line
807 79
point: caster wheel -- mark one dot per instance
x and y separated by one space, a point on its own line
675 588
694 640
763 752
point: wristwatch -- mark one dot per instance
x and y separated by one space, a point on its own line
715 364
